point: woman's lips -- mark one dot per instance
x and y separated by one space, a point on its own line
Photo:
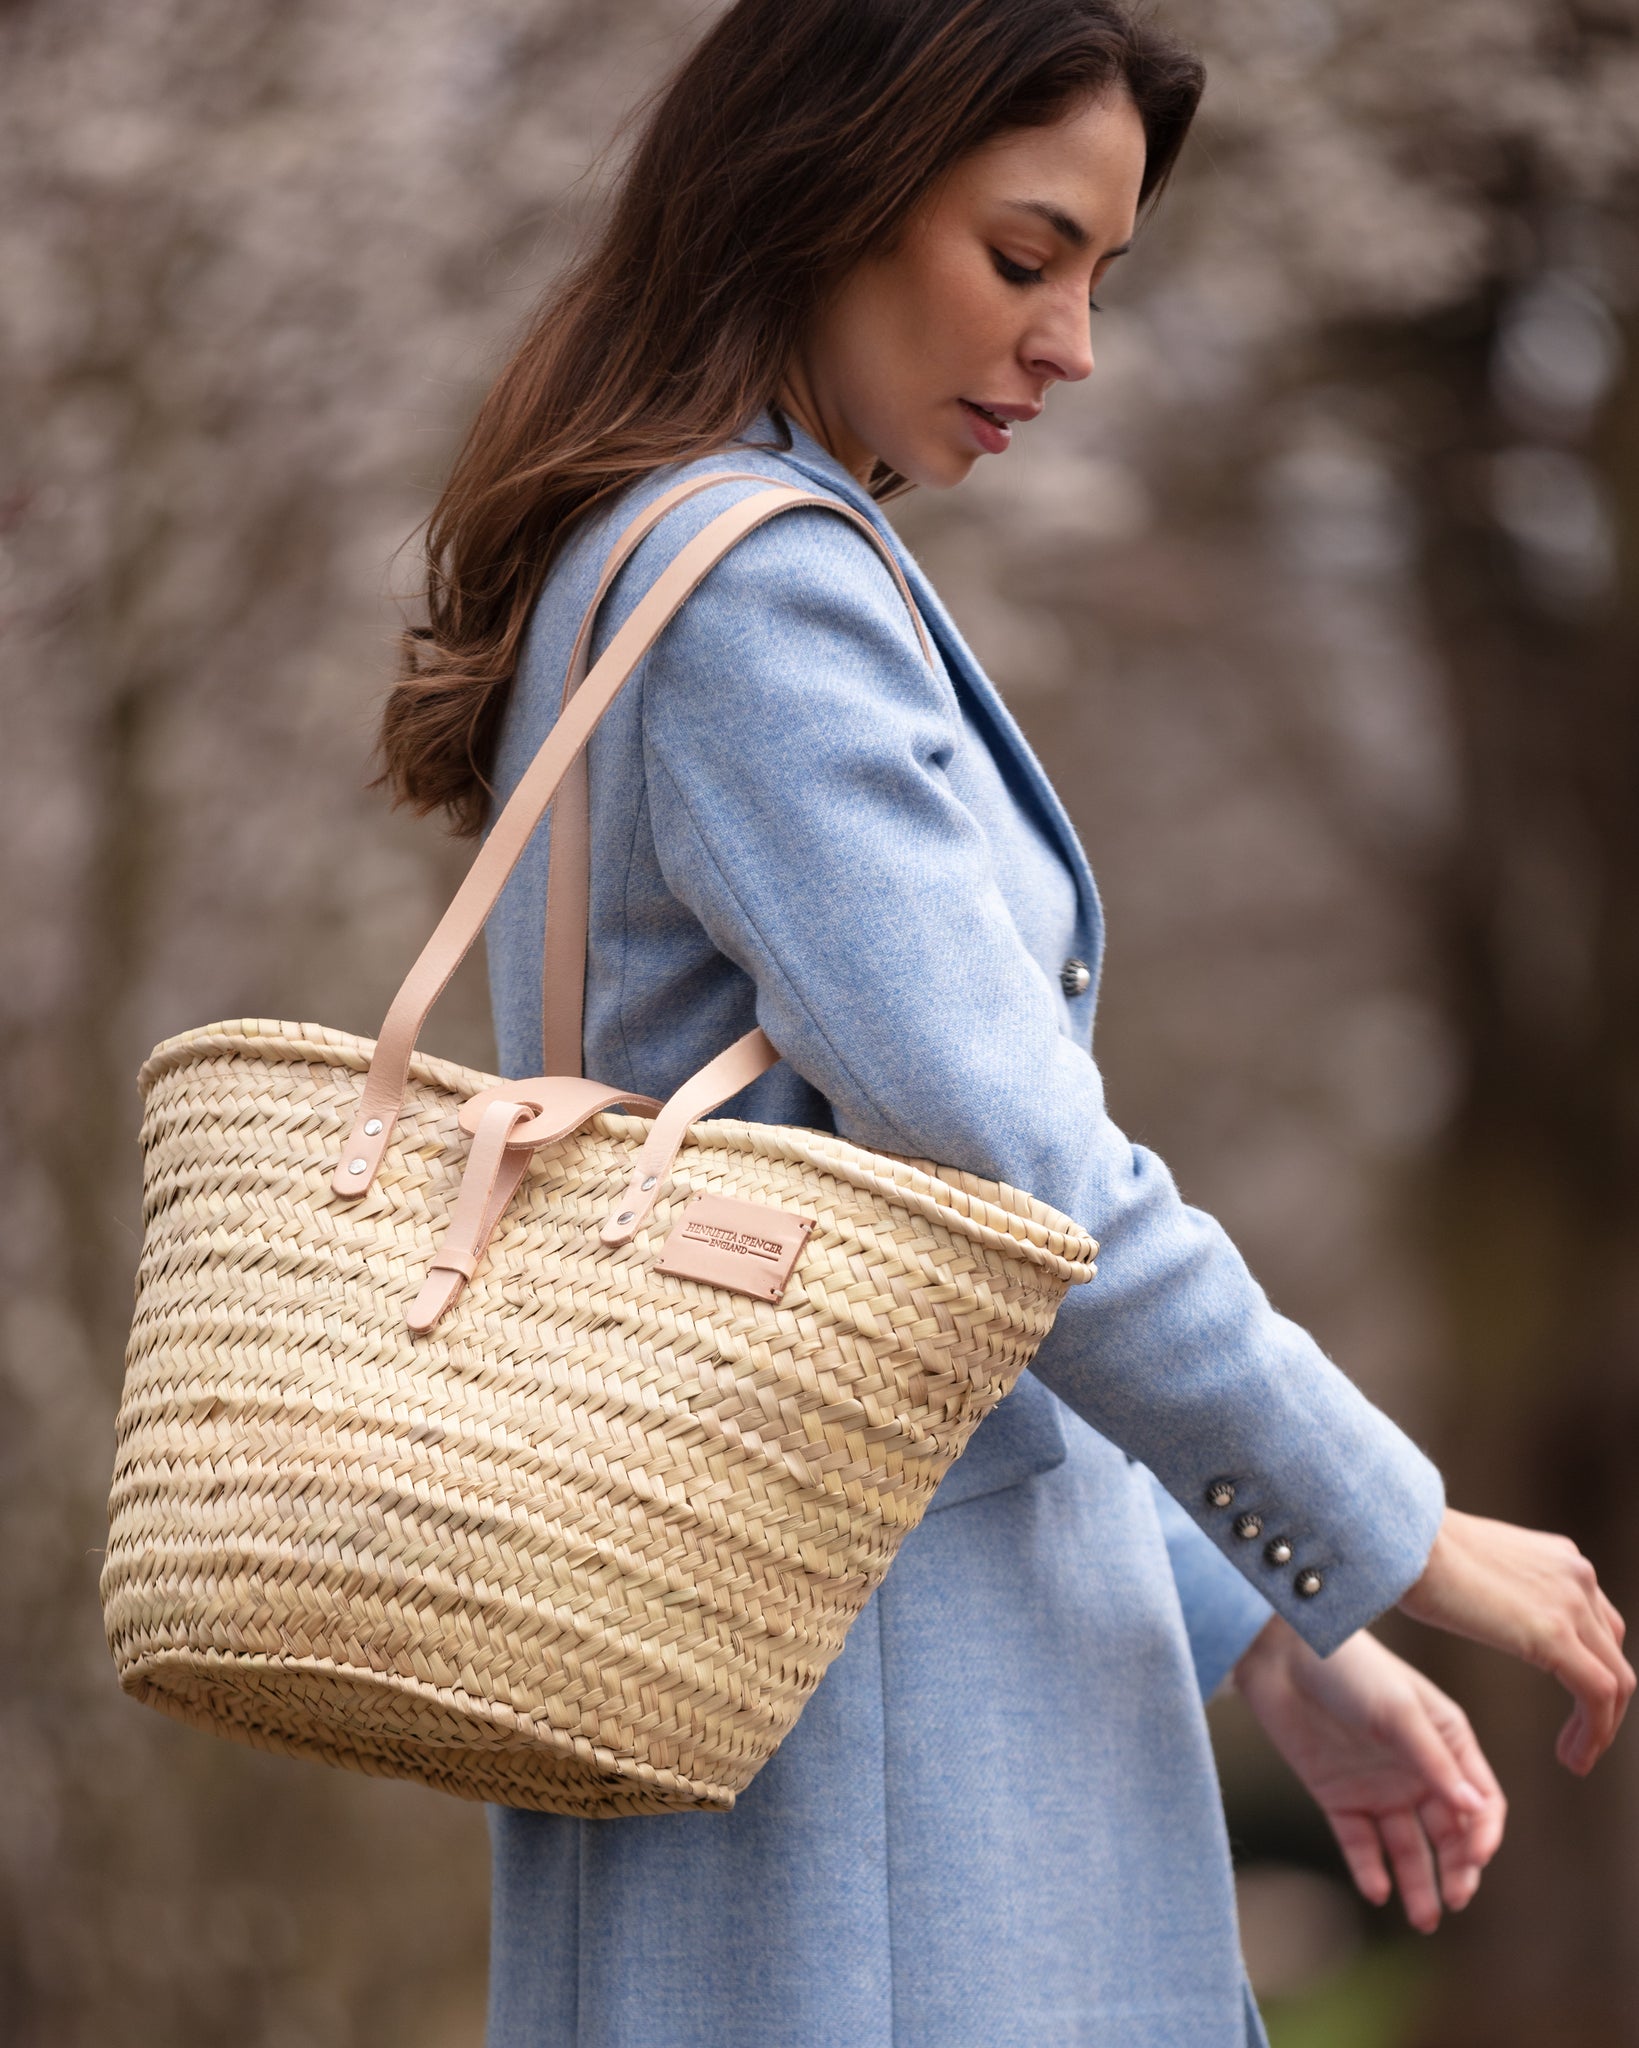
993 435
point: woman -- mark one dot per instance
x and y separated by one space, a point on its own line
854 249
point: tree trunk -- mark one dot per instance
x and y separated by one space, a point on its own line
1532 1226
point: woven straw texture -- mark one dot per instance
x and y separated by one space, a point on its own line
589 1545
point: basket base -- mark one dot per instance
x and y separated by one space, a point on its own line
396 1727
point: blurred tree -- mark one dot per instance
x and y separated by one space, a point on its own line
1523 433
1503 400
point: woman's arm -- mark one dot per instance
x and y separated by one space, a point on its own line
797 749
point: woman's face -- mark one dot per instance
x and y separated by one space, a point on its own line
925 357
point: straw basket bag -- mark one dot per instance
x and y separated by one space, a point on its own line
477 1434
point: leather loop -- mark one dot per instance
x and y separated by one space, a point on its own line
504 1136
494 1169
384 1084
732 1070
561 1105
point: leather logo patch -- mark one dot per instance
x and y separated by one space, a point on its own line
738 1245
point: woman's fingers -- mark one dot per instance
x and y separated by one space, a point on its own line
1362 1848
1410 1729
1432 1858
1593 1669
1413 1861
1463 1828
1464 1843
1457 1732
1482 1831
1458 1851
1582 1654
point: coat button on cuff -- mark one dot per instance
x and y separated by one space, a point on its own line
1308 1583
1248 1526
1075 977
1277 1550
1221 1494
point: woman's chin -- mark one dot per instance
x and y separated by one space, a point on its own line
936 466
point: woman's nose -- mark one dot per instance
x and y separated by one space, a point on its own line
1063 349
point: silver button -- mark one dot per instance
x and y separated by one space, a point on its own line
1309 1583
373 1128
1278 1550
358 1166
1221 1494
1248 1526
1075 977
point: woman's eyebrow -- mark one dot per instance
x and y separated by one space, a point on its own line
1063 224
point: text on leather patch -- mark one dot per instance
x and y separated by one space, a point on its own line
738 1245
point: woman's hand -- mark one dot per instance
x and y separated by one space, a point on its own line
1536 1597
1391 1761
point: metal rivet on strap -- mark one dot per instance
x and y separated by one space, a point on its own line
649 1183
1248 1526
358 1166
373 1128
625 1216
1309 1583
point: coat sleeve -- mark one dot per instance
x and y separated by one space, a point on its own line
796 751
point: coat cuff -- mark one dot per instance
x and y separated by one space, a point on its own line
1334 1572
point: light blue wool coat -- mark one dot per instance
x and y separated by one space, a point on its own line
997 1823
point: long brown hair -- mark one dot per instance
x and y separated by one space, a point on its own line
797 138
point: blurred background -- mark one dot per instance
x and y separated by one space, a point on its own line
1321 602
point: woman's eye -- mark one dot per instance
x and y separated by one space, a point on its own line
1015 273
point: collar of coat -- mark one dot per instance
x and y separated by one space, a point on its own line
820 467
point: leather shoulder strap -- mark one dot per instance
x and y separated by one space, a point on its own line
568 875
452 938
